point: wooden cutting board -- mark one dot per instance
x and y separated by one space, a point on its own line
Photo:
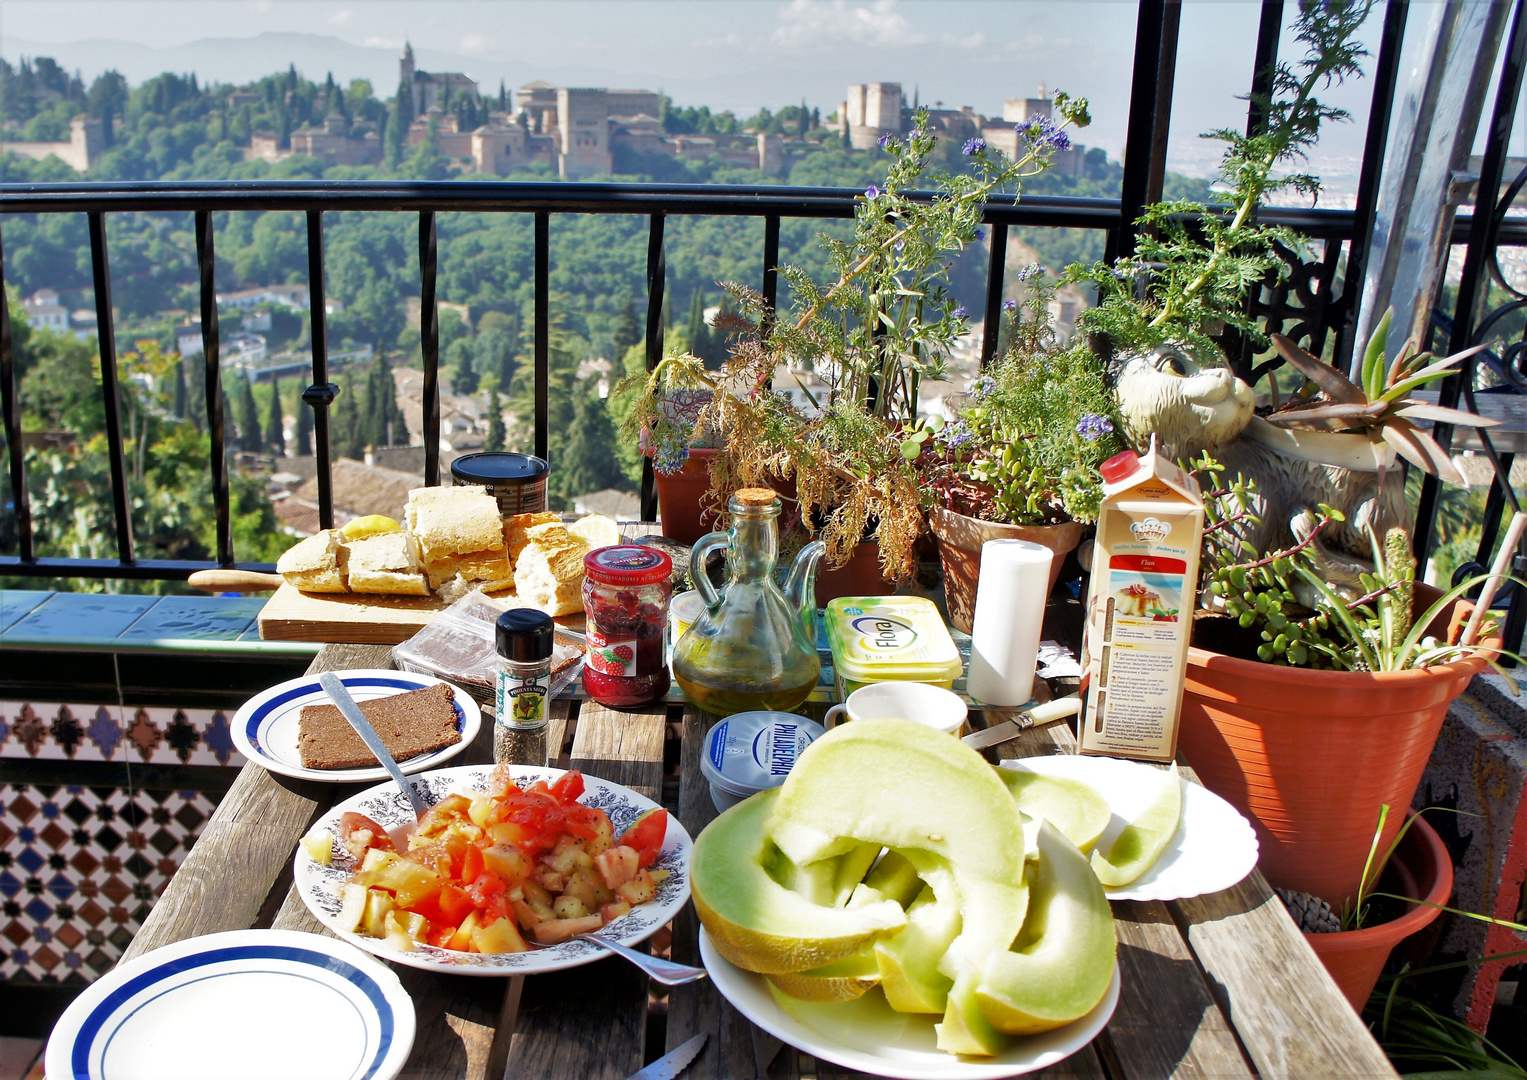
360 618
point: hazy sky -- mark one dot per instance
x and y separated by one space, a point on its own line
735 54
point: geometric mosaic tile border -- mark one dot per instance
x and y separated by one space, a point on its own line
80 869
152 736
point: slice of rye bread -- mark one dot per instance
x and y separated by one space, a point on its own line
418 722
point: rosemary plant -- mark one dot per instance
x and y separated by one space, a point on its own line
1193 263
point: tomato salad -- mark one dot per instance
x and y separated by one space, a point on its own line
482 872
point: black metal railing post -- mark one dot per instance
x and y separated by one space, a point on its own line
429 346
996 269
1139 153
1269 30
321 394
657 280
771 267
206 264
1472 285
10 408
110 387
543 334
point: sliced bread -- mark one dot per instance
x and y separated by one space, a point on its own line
410 724
387 563
549 574
316 564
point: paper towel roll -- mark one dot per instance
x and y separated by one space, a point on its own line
1005 631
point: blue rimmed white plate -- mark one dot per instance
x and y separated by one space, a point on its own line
319 885
248 1004
265 729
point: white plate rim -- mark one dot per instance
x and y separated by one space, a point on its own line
1229 866
316 884
59 1054
467 708
749 994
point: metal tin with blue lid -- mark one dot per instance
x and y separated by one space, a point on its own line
750 752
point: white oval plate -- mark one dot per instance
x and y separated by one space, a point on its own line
867 1034
385 804
245 1004
1214 846
265 729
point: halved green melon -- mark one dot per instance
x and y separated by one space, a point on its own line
1143 840
908 960
842 980
757 923
1079 812
1062 962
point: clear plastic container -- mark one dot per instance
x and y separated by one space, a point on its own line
889 639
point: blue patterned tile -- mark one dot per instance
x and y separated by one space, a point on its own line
105 732
10 885
39 909
30 860
219 737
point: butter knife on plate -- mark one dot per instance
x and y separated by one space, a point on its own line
674 1062
1046 713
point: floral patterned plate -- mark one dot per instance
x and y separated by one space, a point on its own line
319 885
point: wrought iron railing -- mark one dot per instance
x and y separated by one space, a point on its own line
1316 306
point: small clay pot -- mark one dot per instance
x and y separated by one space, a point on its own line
959 550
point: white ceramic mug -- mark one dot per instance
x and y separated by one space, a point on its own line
927 704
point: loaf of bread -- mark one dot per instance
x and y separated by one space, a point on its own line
418 722
460 534
316 564
386 563
549 572
489 568
518 526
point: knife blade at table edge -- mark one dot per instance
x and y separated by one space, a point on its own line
674 1062
1048 712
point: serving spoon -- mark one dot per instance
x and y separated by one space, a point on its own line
655 967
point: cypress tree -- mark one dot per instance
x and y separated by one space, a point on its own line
698 333
495 440
196 399
249 418
628 331
304 433
588 461
179 408
275 433
230 430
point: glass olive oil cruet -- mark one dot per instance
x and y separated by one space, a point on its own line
754 647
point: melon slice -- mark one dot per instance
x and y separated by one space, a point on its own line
905 786
757 923
1079 812
908 961
1144 839
842 980
965 1029
1062 963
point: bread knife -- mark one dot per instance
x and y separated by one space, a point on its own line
1040 715
674 1062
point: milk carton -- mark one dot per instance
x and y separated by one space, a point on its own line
1140 607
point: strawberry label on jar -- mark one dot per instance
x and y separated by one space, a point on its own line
611 657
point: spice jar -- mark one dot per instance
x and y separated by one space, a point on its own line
524 643
626 589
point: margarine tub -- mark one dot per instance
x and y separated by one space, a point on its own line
750 752
889 639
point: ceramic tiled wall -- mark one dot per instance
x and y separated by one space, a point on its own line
136 735
80 868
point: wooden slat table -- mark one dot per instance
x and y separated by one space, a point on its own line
1218 986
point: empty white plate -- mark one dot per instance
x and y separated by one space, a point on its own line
244 1005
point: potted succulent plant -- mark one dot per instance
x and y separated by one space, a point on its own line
1020 458
881 329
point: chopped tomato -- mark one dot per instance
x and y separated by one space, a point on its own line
352 824
471 863
455 904
440 936
487 885
568 788
646 835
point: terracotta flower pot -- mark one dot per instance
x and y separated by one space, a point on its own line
1310 756
680 495
860 576
959 550
1355 958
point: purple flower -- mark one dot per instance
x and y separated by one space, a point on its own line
885 140
1042 134
670 458
980 234
956 435
1009 305
958 313
982 388
872 192
1030 272
1093 427
973 146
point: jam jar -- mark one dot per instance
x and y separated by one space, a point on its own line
625 596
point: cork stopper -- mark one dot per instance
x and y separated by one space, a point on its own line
756 496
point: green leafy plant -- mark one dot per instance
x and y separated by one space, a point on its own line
885 324
1194 263
1026 446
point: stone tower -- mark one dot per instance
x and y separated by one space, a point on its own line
406 72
